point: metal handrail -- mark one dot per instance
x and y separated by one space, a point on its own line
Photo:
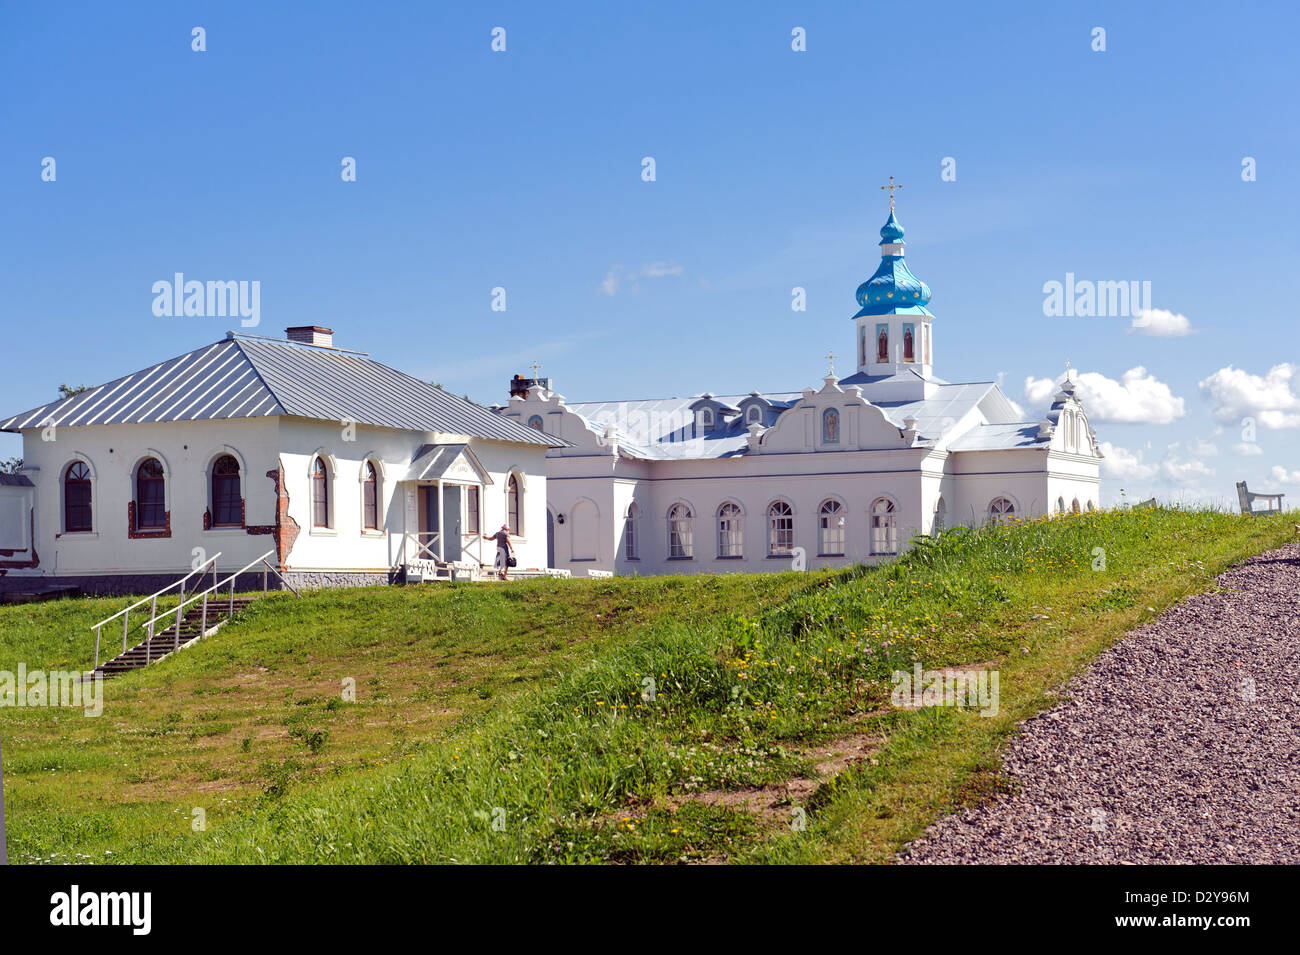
180 608
152 600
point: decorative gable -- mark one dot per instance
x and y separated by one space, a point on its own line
832 419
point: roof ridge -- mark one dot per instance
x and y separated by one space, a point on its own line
231 336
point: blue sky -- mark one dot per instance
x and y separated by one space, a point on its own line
522 170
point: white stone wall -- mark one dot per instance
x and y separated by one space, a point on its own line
112 452
187 450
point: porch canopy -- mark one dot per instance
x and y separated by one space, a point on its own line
443 492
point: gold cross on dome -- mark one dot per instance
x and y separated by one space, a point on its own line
891 187
1067 369
536 368
830 357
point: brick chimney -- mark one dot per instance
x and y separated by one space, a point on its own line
311 335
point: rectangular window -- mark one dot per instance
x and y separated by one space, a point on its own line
371 505
150 512
225 501
77 511
471 512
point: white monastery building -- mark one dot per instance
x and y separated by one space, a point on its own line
342 470
844 473
345 470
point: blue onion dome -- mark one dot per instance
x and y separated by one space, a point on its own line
891 231
893 287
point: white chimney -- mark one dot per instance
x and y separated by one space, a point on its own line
311 335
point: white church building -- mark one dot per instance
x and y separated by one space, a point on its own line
841 473
345 470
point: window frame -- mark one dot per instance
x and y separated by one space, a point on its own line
631 543
681 526
84 479
158 484
780 525
730 537
886 531
222 503
832 508
999 518
321 510
370 496
514 492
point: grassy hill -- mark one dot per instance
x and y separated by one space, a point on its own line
708 718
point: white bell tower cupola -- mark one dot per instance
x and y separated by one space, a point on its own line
894 327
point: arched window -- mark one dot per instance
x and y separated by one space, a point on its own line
884 528
1001 510
370 498
706 418
227 502
150 499
780 529
512 505
831 426
681 531
76 498
320 493
1091 507
754 415
1060 505
1074 506
731 533
830 520
631 546
940 516
535 422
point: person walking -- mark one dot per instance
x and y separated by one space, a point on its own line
502 563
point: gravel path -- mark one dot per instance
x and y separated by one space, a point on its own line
1180 744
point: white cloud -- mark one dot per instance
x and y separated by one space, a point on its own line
1184 472
1123 463
1202 449
1160 323
1268 398
1247 448
1282 476
618 277
1138 397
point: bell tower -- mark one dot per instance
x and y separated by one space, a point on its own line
894 327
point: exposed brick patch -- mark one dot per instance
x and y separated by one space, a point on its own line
134 534
286 528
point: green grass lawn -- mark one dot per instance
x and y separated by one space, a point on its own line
631 720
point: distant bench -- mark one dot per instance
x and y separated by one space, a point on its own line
1248 498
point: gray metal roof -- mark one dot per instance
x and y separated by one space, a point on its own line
15 480
246 376
999 437
663 429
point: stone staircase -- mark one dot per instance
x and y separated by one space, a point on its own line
195 624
